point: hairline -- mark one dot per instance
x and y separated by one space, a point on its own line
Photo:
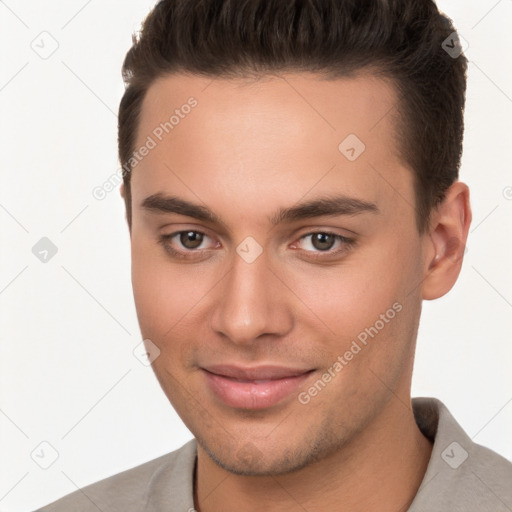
250 75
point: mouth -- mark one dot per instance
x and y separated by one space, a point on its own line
254 388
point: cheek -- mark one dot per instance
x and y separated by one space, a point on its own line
149 289
366 299
170 300
346 299
162 294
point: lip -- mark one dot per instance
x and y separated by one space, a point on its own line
253 388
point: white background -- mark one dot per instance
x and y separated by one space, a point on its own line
68 327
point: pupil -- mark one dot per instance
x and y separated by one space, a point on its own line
323 241
191 239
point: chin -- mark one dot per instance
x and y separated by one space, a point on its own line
249 460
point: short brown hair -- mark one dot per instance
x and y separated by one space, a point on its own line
401 39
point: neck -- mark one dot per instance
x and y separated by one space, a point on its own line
381 469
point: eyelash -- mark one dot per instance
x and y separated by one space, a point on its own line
186 254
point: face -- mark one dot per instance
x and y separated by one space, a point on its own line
275 262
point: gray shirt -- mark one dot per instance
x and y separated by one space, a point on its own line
461 476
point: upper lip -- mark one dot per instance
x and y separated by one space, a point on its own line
266 372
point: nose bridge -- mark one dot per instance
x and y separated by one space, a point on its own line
250 301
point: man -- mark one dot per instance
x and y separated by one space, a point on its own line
292 195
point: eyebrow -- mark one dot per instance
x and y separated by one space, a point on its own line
324 206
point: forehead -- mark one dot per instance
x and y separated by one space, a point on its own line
276 132
361 103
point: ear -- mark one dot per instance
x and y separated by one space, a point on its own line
446 242
122 191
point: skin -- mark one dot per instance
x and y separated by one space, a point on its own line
247 149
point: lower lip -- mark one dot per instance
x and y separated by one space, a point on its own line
252 394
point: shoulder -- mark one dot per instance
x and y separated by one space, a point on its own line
462 475
483 481
166 479
470 478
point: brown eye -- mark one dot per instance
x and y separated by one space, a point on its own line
323 241
191 239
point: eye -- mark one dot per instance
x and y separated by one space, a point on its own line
321 241
180 243
194 244
190 239
324 242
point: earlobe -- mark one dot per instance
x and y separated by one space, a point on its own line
446 242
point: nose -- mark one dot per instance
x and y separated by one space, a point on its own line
251 303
